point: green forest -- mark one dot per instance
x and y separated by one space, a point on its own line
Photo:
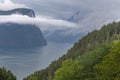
94 57
6 75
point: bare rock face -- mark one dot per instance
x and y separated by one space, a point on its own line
14 35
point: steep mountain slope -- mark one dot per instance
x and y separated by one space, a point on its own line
20 36
88 43
22 11
102 63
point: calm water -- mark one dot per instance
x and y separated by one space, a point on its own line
25 62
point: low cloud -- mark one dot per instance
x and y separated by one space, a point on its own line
103 12
44 23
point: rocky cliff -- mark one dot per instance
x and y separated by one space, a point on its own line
14 35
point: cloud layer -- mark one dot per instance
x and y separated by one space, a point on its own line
98 12
44 23
101 11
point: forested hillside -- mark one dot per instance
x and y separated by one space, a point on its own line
94 57
100 64
6 75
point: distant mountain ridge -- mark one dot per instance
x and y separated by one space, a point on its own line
24 36
75 17
22 11
59 37
78 16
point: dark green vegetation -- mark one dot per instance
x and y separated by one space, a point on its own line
94 57
94 65
6 75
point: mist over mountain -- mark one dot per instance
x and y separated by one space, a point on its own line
16 34
67 10
54 26
93 57
60 37
89 15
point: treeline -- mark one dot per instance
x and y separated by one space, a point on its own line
100 64
6 75
90 58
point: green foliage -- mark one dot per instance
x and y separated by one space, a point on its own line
102 63
6 75
93 57
87 46
69 71
83 67
109 68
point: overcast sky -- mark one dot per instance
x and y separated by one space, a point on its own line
58 7
98 12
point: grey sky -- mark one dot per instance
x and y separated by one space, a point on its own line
99 12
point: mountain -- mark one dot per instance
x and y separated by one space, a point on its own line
58 36
96 56
76 17
22 11
13 35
